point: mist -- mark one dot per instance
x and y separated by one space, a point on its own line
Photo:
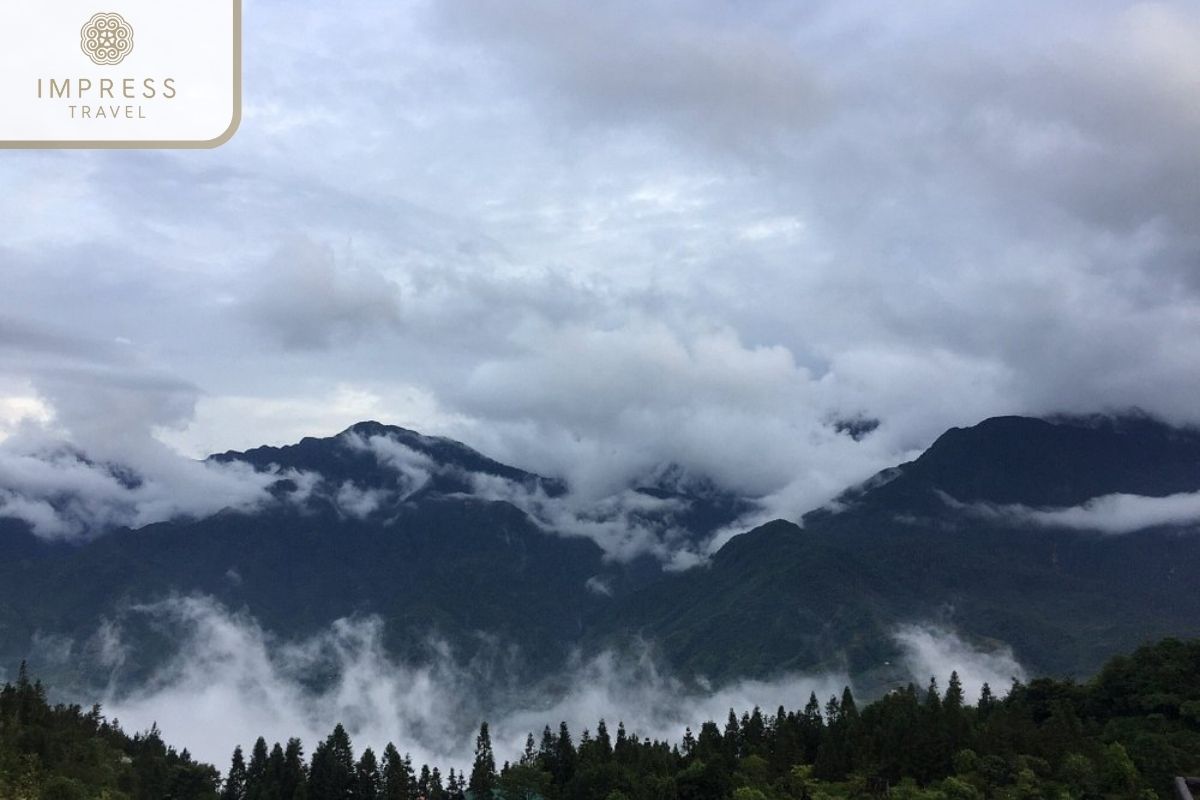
934 651
1113 514
230 681
64 493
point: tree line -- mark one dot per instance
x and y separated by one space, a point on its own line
63 752
1122 735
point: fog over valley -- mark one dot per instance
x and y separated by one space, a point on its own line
229 681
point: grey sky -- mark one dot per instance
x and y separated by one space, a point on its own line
592 238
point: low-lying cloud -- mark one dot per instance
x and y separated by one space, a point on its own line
63 494
1117 513
231 681
935 651
625 525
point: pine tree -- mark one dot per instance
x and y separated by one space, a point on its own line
933 700
782 742
424 783
849 708
585 749
256 773
366 777
342 749
235 782
812 711
833 759
322 784
623 748
273 785
412 783
753 731
732 738
812 727
295 777
934 755
530 755
456 786
710 747
483 772
689 742
564 756
956 723
548 752
396 778
833 710
954 692
437 791
603 742
331 776
987 701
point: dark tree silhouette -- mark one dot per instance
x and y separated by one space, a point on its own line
483 771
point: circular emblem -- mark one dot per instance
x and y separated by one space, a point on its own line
106 38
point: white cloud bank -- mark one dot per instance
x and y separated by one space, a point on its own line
62 494
932 651
1110 514
230 682
625 523
1122 513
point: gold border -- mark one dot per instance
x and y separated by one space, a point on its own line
178 144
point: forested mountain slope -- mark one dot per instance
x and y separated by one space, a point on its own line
443 543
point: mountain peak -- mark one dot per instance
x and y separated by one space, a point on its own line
371 427
369 453
1061 461
1043 462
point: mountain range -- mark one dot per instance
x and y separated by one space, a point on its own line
1060 538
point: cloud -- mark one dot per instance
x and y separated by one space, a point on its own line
64 494
1111 513
102 394
244 422
625 525
412 467
16 410
230 681
357 502
602 407
629 63
597 585
931 651
596 242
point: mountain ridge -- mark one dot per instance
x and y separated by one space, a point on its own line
444 552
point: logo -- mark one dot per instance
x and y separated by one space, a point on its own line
106 38
160 73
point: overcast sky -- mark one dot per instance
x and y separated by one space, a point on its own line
589 238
